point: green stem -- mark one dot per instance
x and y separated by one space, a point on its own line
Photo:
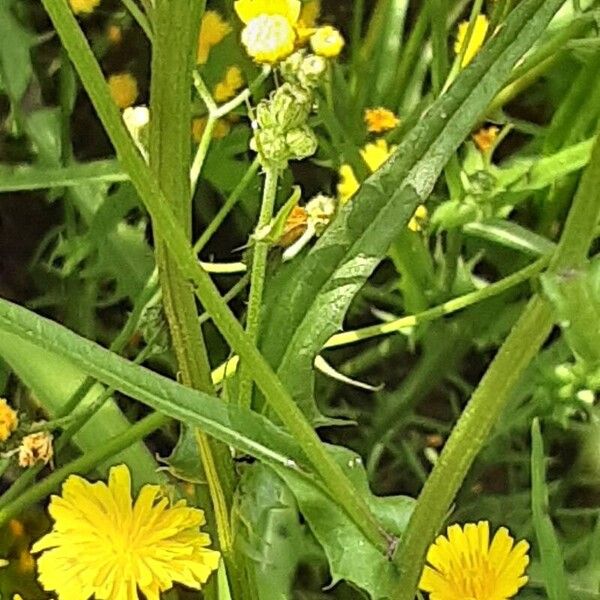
447 308
495 389
227 207
82 465
167 226
176 30
139 17
257 280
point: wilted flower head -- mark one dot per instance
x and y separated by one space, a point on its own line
485 138
36 448
104 545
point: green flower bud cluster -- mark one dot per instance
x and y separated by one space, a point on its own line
281 131
305 70
568 391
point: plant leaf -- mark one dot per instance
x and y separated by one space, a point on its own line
575 295
308 300
240 428
53 381
364 566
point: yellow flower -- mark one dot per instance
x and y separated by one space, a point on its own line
476 40
464 565
374 155
222 128
83 7
229 87
36 448
420 215
3 563
379 120
269 35
484 139
212 31
308 20
106 546
123 89
9 420
327 42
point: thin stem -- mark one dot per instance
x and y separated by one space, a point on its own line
257 279
447 308
166 225
82 465
139 17
233 199
495 389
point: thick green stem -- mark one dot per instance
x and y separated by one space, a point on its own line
495 389
166 225
176 29
257 280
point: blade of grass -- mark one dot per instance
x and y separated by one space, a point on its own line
557 586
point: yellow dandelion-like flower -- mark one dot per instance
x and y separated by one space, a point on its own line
327 42
9 420
379 120
3 563
114 34
464 565
476 40
230 85
270 34
105 545
83 7
486 137
36 448
123 89
213 28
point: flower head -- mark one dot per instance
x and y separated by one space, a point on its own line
327 41
123 89
212 31
486 137
36 448
464 565
475 41
270 34
229 86
107 546
9 420
379 120
83 7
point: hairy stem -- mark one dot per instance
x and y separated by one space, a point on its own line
257 280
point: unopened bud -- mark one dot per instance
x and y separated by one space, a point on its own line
301 142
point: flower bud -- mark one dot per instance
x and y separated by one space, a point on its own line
291 106
301 142
271 147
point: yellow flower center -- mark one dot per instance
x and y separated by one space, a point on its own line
327 42
269 38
